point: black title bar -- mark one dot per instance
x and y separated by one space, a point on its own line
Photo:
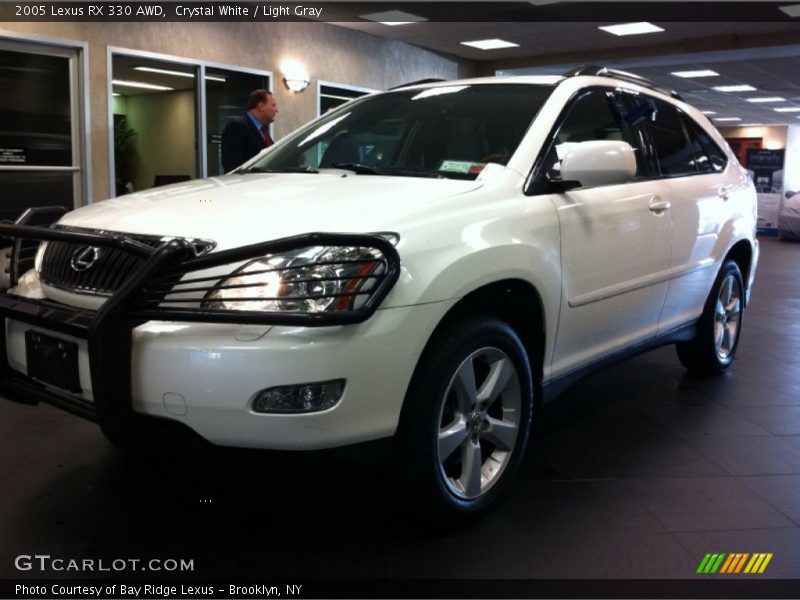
234 11
296 589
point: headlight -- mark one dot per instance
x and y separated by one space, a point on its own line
318 279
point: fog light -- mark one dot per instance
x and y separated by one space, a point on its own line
306 397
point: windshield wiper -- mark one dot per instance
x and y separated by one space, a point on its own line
363 169
360 168
284 170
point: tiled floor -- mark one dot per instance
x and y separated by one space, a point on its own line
637 473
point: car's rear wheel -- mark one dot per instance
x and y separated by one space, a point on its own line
466 420
718 330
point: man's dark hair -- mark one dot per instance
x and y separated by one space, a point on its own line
257 97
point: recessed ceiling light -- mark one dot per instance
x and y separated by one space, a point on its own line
164 72
787 109
177 73
631 28
734 88
752 124
140 84
768 99
793 10
691 74
492 44
392 18
727 119
709 112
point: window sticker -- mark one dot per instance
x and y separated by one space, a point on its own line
461 166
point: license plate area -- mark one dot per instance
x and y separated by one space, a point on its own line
52 360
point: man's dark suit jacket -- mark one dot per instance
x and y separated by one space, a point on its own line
241 141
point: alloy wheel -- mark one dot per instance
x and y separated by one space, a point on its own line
727 317
479 422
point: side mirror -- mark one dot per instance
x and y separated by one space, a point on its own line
598 162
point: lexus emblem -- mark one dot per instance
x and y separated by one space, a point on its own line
84 258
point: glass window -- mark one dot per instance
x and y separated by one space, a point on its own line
35 111
155 128
331 96
449 131
710 158
23 190
595 115
227 92
41 115
672 149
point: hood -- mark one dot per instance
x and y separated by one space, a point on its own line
236 210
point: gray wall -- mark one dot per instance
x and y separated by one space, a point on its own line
328 52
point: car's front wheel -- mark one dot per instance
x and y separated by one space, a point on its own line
465 421
714 346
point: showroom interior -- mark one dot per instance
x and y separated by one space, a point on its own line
635 473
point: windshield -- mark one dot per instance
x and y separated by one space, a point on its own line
451 131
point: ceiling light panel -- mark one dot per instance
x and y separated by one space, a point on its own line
693 74
727 119
393 18
631 28
787 109
735 88
141 84
793 10
164 72
493 44
766 99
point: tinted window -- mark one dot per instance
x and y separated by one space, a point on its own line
35 110
710 158
672 149
595 115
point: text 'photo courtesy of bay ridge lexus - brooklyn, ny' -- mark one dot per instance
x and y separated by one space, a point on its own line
430 264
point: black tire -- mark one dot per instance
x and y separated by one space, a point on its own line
714 346
436 485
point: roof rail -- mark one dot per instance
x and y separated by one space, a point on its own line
418 82
624 75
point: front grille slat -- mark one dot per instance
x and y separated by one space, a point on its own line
112 268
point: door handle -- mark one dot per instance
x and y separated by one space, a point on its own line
658 206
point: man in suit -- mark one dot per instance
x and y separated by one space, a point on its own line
248 135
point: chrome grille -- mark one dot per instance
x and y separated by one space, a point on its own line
110 270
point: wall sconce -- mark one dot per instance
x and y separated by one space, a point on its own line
294 76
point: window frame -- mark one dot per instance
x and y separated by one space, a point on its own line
77 54
330 84
658 174
201 129
688 123
535 184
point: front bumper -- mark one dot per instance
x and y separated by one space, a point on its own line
203 369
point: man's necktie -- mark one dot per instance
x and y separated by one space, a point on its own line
265 133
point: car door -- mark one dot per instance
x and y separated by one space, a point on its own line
692 166
615 242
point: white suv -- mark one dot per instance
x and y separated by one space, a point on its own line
430 263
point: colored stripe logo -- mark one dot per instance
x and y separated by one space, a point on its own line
734 563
